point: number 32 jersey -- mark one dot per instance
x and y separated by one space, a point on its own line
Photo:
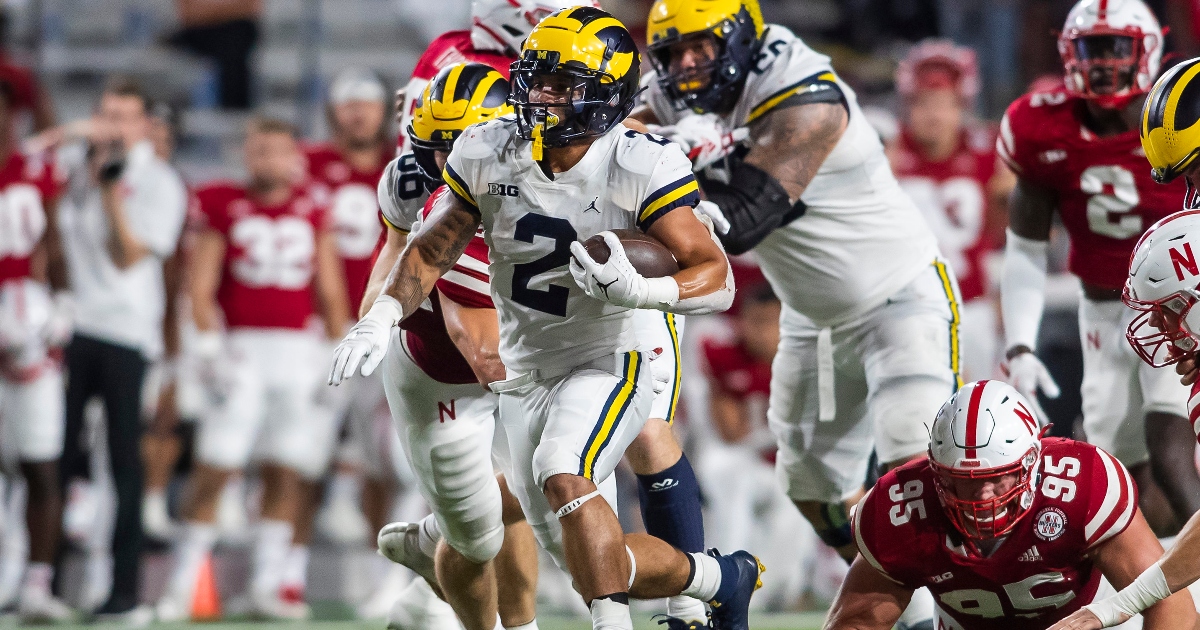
625 180
1106 197
1039 574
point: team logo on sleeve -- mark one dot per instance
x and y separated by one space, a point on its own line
1050 525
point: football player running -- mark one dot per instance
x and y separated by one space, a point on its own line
1076 153
869 333
262 258
1162 286
34 325
1007 529
670 511
947 163
565 329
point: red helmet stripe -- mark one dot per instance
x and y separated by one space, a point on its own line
973 418
1102 11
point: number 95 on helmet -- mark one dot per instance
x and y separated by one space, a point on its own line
577 77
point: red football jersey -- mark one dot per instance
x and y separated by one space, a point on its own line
467 284
449 48
352 204
270 255
1194 409
1039 574
1105 194
26 183
952 194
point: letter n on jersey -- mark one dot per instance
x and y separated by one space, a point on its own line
445 411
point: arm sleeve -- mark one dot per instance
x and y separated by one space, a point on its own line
157 210
754 203
1022 289
1113 500
671 185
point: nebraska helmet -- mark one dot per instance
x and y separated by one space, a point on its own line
1162 287
936 63
503 25
986 430
1111 50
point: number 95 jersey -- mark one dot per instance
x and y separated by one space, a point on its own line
1039 574
626 180
1106 197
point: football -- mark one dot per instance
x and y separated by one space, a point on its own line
645 253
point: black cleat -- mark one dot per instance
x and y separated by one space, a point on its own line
741 575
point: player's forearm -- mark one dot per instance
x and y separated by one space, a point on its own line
1181 563
428 255
1022 290
476 334
331 288
388 255
123 245
1176 611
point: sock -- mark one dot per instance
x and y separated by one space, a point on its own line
429 536
38 576
295 569
611 612
272 541
670 503
705 580
532 625
193 547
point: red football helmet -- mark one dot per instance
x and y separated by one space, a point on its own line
986 430
937 63
1164 287
1111 50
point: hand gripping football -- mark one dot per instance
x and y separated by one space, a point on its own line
648 256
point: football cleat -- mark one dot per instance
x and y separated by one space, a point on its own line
741 575
675 623
418 608
399 543
40 607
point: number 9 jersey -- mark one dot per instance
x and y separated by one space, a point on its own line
1037 575
1106 197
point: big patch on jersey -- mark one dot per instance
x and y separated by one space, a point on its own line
648 256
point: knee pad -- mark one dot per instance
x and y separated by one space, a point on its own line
903 408
834 526
466 499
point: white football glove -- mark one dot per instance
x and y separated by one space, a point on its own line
616 281
61 324
367 342
662 371
713 212
1027 374
704 138
212 362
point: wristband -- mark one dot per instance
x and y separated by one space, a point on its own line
1017 351
660 292
1148 589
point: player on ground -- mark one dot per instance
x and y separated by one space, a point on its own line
946 162
263 258
1076 153
531 182
671 512
33 328
856 267
1008 530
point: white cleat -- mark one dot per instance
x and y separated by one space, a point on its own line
275 607
39 607
417 608
172 609
399 543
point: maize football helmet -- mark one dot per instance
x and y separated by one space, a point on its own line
503 25
1171 126
585 61
1163 287
1111 50
735 28
986 430
460 95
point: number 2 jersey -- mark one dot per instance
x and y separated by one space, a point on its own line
1039 574
626 180
270 255
1106 197
862 239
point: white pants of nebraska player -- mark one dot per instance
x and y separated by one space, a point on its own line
31 418
577 423
274 407
1119 389
446 432
891 371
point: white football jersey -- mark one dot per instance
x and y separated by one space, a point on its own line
626 180
402 193
862 238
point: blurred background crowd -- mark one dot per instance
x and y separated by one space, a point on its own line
206 66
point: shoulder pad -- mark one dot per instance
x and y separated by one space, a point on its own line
640 152
486 140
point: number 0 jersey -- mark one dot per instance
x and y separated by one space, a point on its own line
862 238
1106 197
625 180
1040 573
270 255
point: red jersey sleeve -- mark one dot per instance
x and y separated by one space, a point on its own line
1112 498
1193 407
467 282
212 207
1017 143
888 523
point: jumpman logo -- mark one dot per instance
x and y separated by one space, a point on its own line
604 287
592 206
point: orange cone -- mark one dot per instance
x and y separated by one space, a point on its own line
206 601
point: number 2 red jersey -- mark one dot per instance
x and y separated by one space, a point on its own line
353 209
26 183
1105 194
952 195
270 255
1039 574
